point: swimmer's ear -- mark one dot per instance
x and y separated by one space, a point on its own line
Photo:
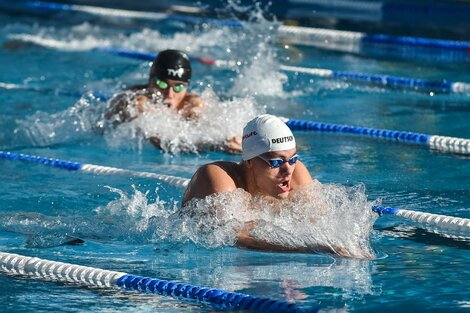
248 163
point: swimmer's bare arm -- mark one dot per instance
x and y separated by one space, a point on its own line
248 242
119 107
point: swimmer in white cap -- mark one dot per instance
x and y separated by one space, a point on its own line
270 167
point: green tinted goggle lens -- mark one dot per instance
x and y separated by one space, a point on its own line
176 88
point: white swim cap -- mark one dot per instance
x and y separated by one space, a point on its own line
266 133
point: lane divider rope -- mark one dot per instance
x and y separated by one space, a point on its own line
293 34
96 169
440 143
351 41
376 79
449 223
385 80
15 264
442 221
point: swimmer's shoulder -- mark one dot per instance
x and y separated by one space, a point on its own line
301 175
221 176
193 100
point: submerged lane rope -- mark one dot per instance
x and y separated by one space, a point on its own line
15 264
449 223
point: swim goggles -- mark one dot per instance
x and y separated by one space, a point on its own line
277 162
176 88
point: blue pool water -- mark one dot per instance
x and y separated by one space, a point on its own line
125 223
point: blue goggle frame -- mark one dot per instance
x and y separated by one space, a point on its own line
277 162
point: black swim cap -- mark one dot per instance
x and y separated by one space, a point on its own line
171 64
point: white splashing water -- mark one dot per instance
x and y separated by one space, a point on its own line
318 215
217 121
75 123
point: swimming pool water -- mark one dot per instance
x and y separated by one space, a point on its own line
50 114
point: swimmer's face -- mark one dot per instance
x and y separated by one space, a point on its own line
274 182
173 91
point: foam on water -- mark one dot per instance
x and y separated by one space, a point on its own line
320 215
217 121
76 123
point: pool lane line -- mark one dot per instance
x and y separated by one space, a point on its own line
453 224
456 225
434 142
317 37
375 79
96 169
356 42
414 84
32 267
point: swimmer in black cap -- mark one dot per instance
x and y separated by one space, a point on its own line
168 82
170 74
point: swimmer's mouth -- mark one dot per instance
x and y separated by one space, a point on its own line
284 186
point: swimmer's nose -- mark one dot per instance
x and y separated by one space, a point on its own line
171 93
287 169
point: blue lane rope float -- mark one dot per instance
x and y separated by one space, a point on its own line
440 143
443 222
15 264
